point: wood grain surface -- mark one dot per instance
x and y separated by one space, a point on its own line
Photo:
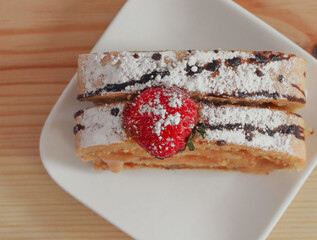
39 44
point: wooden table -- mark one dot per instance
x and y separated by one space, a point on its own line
39 44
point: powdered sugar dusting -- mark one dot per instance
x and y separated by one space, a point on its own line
159 111
228 80
259 118
175 101
101 127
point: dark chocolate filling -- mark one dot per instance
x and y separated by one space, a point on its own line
295 130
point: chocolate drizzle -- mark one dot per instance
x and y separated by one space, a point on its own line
121 86
248 129
77 128
274 95
294 99
298 88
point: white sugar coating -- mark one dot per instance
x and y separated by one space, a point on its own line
261 118
191 61
241 79
175 101
172 119
157 109
101 127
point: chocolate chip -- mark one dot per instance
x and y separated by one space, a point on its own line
274 57
234 62
156 56
304 74
136 55
216 51
259 58
259 73
78 113
280 78
220 142
77 128
114 111
212 66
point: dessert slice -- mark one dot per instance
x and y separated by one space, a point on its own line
244 77
242 138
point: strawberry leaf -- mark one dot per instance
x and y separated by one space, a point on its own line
191 146
189 141
201 131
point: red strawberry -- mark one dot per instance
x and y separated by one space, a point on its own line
160 120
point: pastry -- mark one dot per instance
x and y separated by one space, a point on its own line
238 77
224 136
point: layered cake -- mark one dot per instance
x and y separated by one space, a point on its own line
228 110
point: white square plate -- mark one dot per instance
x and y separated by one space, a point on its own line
183 204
